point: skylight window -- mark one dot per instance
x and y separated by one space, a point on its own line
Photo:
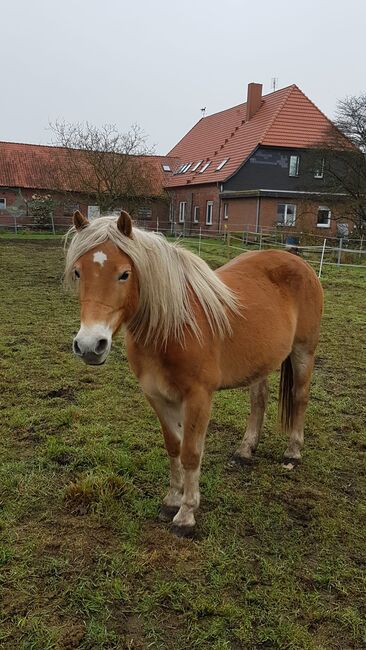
166 168
221 164
179 170
205 167
196 165
186 168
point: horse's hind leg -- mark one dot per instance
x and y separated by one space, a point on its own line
258 402
302 362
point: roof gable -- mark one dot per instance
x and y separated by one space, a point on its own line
286 118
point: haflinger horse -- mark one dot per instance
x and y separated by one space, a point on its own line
191 331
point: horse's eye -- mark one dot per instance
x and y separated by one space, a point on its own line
76 273
124 276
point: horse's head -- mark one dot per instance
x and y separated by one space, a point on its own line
108 293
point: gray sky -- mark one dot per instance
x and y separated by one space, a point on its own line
157 63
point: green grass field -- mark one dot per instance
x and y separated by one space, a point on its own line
279 560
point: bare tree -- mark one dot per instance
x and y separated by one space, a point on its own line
110 167
342 160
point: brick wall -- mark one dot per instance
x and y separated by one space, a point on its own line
195 196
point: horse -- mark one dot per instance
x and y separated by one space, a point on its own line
191 331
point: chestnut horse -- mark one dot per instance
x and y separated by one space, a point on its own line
191 331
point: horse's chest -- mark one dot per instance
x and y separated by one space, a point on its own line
155 383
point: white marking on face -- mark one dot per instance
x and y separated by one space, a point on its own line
99 258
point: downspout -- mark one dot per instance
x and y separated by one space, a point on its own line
219 219
257 216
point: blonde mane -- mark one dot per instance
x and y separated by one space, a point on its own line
167 274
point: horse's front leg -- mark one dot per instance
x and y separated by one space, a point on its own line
197 409
171 419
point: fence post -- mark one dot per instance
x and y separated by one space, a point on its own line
157 224
199 241
53 224
339 251
361 242
322 258
228 245
15 225
260 240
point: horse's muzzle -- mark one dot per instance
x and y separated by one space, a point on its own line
92 345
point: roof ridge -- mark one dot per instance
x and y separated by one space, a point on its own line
290 89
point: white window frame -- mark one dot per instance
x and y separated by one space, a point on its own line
166 168
209 213
182 211
221 164
226 210
186 168
285 222
196 165
205 167
3 201
319 172
195 212
324 225
294 172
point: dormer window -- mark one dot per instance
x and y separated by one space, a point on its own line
221 164
205 167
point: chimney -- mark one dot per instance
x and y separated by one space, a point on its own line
254 99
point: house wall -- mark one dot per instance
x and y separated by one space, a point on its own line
268 169
195 195
243 214
18 204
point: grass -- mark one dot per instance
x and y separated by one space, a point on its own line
279 561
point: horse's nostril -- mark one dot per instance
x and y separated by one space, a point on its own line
101 346
76 348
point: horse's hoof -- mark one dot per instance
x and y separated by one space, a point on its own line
290 463
167 513
187 532
241 461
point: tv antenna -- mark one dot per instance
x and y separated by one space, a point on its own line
274 83
203 111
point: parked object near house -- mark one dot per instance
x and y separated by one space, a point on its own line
249 165
187 334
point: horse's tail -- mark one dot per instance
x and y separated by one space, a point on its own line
286 400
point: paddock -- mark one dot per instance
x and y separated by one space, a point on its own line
279 559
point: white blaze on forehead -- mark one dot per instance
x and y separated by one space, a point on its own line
99 257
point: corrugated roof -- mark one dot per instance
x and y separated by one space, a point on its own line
286 118
48 168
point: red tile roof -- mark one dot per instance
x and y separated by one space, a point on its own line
45 167
286 118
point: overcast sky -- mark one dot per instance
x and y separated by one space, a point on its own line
158 62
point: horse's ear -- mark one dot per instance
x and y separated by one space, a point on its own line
79 220
124 224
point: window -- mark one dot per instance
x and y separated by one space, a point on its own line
323 219
205 166
286 214
293 168
226 210
186 168
196 214
144 212
93 212
179 170
319 169
182 211
166 168
209 211
2 204
221 164
196 165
